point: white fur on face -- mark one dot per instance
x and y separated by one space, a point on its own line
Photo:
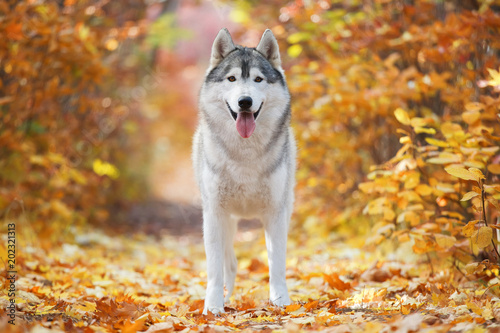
233 91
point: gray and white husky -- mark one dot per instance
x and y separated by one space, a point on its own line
244 160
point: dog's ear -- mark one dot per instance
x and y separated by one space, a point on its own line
223 44
268 46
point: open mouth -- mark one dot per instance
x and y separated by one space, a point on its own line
235 115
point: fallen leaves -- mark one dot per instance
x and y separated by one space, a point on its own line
334 281
108 285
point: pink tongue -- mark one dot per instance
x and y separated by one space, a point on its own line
245 124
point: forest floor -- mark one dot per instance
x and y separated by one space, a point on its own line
107 281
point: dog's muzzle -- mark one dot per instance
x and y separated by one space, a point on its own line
235 115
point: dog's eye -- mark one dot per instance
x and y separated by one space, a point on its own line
231 79
258 79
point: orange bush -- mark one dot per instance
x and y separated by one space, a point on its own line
65 116
350 67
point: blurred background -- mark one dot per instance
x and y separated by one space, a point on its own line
98 101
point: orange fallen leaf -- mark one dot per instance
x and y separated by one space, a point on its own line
311 305
335 282
292 307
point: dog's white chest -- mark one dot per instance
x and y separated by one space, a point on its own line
244 194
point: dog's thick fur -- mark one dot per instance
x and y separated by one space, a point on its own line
247 173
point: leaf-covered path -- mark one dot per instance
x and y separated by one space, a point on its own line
121 283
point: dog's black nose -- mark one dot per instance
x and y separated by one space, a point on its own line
245 102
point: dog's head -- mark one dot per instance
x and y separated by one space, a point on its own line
247 78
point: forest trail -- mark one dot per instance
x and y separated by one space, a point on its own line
138 282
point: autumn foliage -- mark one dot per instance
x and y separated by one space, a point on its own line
395 108
69 113
396 113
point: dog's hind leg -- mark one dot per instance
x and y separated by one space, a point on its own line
230 262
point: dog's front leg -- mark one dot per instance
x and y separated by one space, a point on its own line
276 235
214 224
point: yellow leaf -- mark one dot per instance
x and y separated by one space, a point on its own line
469 228
437 143
410 196
104 168
418 122
423 190
487 314
412 179
474 164
471 268
474 106
461 172
494 169
421 246
470 117
389 214
85 306
367 187
473 306
445 188
294 51
426 130
450 130
495 77
404 140
412 218
482 237
402 116
469 195
405 309
445 241
445 158
477 172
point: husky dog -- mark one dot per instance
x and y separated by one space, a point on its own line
244 160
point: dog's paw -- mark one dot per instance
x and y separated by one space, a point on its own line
281 301
214 310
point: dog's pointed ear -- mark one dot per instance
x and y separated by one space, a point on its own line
223 44
268 46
